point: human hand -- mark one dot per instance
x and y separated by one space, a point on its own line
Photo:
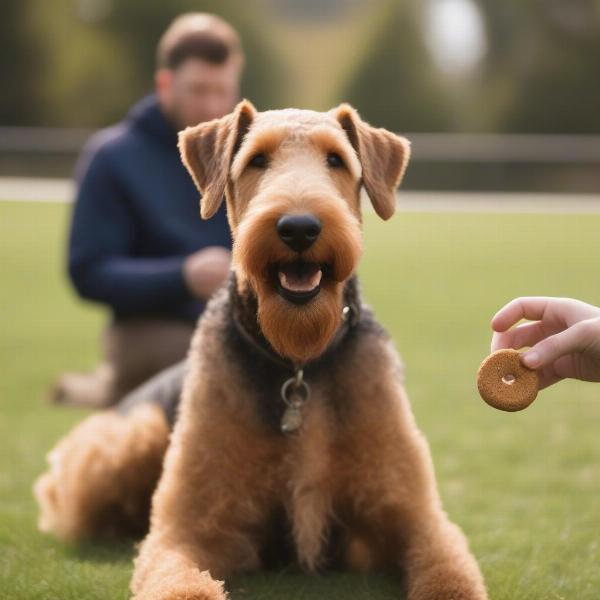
205 271
563 335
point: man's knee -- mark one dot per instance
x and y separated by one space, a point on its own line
141 348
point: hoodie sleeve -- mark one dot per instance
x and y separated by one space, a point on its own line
100 261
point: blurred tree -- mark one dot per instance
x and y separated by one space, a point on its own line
396 85
21 62
542 68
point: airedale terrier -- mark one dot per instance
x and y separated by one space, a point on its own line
294 439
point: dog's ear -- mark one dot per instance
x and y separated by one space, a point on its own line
383 157
208 149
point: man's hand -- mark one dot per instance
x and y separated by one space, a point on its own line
205 270
564 336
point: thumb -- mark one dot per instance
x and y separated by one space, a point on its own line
571 340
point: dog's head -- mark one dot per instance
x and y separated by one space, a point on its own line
292 181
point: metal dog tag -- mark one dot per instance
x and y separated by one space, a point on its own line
295 393
291 420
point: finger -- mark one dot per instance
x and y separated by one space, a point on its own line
573 339
520 336
526 307
565 367
547 377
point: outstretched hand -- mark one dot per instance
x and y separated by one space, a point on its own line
563 335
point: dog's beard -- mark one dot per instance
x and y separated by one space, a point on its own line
300 333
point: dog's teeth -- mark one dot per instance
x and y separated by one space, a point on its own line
316 279
300 284
283 280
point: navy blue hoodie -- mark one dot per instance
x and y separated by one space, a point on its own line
136 218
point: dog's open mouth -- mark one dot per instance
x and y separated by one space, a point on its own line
299 281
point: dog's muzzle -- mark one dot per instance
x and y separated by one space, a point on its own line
298 281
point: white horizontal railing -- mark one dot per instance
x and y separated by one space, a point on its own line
54 190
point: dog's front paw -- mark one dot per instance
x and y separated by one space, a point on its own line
186 593
201 587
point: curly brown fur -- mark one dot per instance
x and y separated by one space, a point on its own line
102 474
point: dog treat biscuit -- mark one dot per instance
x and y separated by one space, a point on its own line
505 383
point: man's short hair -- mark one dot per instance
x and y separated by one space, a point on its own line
198 35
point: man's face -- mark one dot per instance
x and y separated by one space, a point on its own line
198 91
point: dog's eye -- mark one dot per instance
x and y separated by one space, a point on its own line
334 160
258 161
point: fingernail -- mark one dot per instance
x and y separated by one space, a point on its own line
531 359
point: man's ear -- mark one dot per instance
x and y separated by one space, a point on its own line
383 157
207 151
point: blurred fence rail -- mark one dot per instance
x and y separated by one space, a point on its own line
42 139
440 161
505 148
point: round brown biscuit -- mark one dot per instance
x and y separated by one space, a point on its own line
505 383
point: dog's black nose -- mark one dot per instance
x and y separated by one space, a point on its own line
299 231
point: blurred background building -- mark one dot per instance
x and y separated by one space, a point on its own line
496 95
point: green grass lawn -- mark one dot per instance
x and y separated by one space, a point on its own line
525 487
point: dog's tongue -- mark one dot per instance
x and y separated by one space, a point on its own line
300 276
